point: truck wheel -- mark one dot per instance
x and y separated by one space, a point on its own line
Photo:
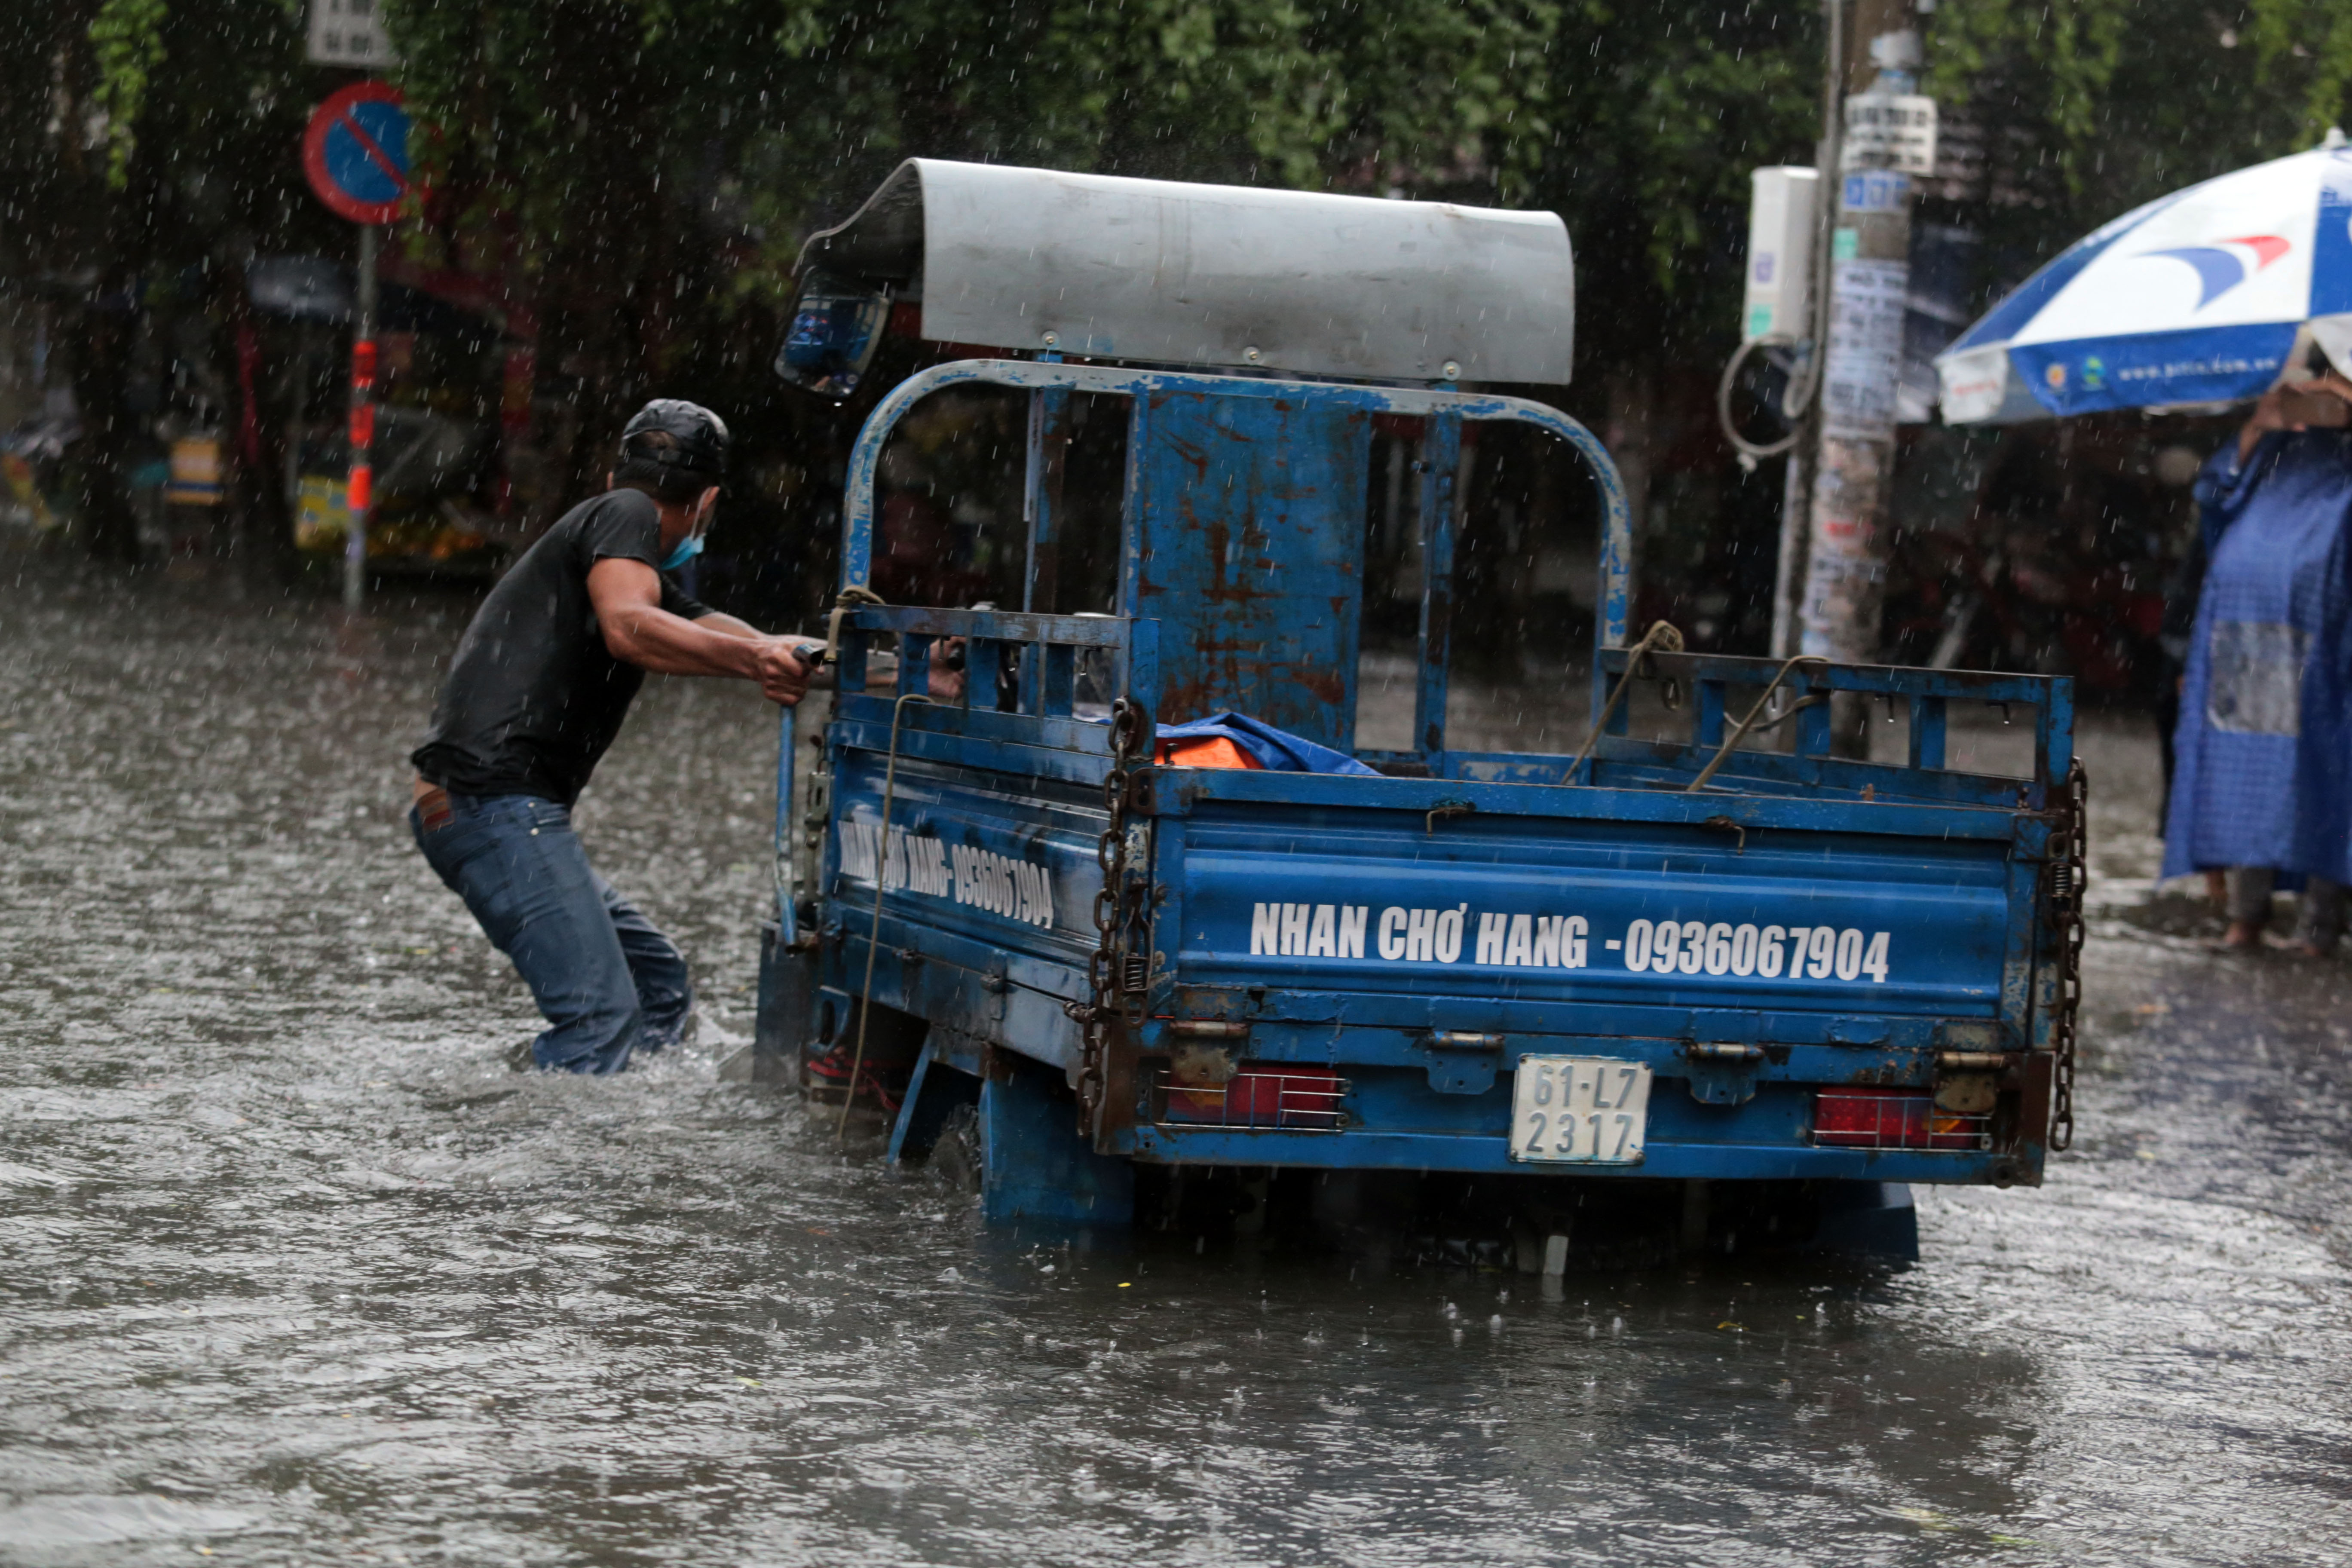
957 1156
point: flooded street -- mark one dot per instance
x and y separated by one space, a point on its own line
298 1273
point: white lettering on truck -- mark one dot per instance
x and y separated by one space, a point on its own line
1308 930
1806 953
1416 936
978 879
1512 940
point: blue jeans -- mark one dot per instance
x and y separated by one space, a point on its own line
606 980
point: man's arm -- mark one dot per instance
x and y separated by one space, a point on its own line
808 650
2297 408
638 630
2268 415
727 626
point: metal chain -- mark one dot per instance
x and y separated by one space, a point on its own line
1114 986
816 819
816 816
2071 874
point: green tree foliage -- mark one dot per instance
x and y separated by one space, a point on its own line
2088 107
2307 44
641 173
1657 113
576 112
145 149
127 36
650 166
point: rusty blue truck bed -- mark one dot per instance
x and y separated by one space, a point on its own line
1727 957
1829 970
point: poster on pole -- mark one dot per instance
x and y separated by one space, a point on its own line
1862 368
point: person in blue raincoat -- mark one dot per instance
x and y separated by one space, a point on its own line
2262 783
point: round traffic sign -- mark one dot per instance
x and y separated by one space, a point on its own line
356 153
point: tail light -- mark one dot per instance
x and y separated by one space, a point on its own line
1894 1119
1299 1098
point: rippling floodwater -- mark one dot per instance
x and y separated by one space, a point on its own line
297 1272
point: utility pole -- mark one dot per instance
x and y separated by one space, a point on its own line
360 497
1797 483
1889 135
355 156
1796 540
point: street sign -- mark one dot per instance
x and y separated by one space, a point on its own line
349 33
1891 130
356 153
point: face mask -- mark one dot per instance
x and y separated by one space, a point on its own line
689 547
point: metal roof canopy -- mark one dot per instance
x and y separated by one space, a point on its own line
1169 273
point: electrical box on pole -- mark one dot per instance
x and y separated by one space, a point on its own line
1780 307
1781 220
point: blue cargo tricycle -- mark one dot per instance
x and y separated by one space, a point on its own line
1688 973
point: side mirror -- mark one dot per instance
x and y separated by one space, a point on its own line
836 328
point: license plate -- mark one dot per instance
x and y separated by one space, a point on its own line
1583 1111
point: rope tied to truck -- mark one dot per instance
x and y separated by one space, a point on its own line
848 599
881 881
1740 732
1662 637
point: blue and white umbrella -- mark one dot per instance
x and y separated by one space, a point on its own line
2214 294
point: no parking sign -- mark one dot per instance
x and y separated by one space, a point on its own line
356 153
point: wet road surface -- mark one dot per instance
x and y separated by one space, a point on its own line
297 1272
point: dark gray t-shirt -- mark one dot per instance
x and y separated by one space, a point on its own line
535 696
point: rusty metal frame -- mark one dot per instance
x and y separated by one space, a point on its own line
1443 411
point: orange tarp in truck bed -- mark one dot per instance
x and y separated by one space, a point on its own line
1205 752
